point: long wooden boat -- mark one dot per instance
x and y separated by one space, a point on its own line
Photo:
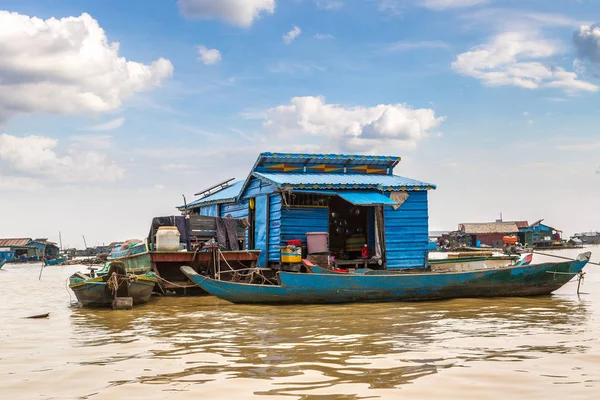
382 286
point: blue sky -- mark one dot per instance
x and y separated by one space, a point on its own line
494 101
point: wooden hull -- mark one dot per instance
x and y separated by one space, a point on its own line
383 286
95 292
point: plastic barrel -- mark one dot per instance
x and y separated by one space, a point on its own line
316 242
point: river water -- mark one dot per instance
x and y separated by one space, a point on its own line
201 347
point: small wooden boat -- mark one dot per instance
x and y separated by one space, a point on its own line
380 286
56 261
125 274
100 291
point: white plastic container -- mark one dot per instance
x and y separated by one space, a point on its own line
167 238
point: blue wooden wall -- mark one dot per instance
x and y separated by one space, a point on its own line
295 222
209 211
274 227
406 232
256 187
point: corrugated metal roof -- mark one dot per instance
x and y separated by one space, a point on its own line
14 242
368 198
225 195
521 224
488 227
342 181
348 159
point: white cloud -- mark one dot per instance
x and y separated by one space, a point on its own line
209 56
107 126
19 183
329 4
356 128
510 19
517 59
236 12
35 157
587 43
439 5
392 7
322 36
66 66
423 44
291 35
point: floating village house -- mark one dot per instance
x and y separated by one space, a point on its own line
26 249
544 235
355 199
490 233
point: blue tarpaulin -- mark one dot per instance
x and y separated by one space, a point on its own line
366 198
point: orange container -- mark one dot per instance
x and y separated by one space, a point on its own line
510 239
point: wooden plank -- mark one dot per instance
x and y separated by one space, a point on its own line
204 256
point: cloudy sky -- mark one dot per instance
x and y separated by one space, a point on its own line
111 110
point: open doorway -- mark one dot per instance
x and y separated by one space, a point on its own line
356 231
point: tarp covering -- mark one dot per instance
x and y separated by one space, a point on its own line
366 198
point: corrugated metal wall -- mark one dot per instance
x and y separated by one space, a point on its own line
209 211
406 232
261 204
256 187
295 222
274 227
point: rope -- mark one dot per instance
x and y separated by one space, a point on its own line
67 289
175 284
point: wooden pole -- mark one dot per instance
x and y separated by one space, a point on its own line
42 269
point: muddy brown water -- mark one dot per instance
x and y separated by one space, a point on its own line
201 347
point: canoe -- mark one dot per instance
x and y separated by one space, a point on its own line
96 292
383 286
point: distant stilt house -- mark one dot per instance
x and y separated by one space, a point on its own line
355 200
20 249
544 235
488 233
27 249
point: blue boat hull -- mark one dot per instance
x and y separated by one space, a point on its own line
294 288
56 261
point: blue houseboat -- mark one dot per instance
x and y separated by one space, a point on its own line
368 214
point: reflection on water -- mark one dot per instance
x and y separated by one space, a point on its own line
520 347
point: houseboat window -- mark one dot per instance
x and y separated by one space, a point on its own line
307 200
